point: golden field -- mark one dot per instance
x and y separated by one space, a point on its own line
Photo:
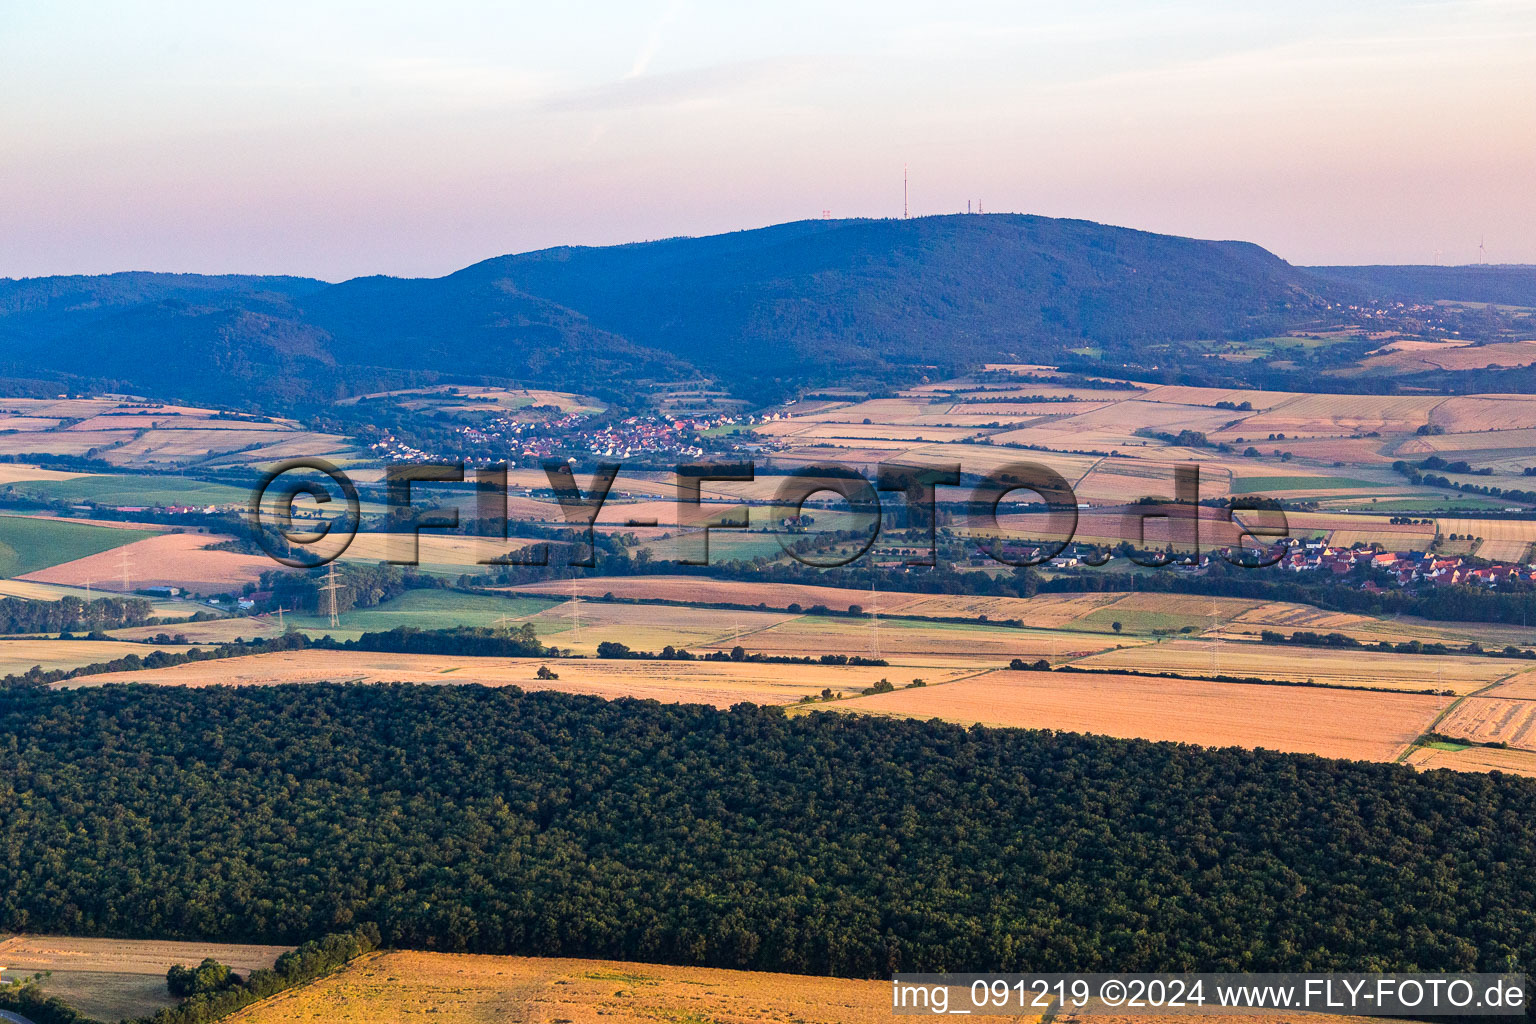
16 656
1337 667
720 683
1474 759
447 988
1303 719
1492 718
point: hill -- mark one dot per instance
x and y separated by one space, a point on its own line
1510 285
803 303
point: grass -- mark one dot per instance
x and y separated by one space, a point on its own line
135 490
27 545
1134 621
426 609
1252 484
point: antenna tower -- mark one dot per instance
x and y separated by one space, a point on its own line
903 191
1482 251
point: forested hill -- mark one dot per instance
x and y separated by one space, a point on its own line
814 301
1511 285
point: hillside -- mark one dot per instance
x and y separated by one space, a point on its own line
1510 285
809 302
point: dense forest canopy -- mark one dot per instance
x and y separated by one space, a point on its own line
493 820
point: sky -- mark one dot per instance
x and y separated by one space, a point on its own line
412 139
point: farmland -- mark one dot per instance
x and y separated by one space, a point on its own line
718 683
1492 718
1458 673
137 434
163 559
1313 720
28 544
113 979
491 989
17 656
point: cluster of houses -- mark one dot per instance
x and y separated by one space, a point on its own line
1407 567
652 434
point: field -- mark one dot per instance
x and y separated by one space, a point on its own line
110 979
1460 673
424 609
1474 759
1503 539
28 544
886 636
720 683
135 491
1311 720
1045 610
1492 719
149 435
17 656
166 559
385 988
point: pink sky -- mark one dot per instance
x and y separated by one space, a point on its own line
416 139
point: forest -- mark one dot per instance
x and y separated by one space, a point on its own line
492 820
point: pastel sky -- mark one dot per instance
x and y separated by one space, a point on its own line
415 138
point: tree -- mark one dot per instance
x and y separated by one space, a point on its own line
208 976
1116 626
545 672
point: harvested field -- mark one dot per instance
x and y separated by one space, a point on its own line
1492 719
16 656
1278 614
1515 440
650 627
1146 613
166 560
14 472
1043 611
467 989
440 549
1312 720
1505 540
212 631
1181 394
904 637
113 979
720 683
1475 759
1459 673
1418 357
1330 415
1470 414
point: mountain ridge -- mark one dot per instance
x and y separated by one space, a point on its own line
763 310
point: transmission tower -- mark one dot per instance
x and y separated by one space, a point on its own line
126 561
329 590
503 624
874 603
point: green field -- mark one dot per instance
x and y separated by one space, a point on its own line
426 609
1252 484
1138 621
134 490
27 545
